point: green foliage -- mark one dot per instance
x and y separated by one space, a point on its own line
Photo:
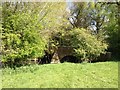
29 27
54 22
21 38
107 21
113 29
105 16
86 46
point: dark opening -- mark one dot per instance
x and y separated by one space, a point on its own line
69 58
46 59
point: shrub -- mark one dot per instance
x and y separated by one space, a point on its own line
21 37
86 45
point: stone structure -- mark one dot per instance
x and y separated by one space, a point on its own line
61 52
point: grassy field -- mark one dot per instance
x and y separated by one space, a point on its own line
65 75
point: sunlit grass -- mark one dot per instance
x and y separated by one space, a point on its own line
0 78
65 75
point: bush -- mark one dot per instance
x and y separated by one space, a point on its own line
21 37
86 46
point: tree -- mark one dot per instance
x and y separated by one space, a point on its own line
21 38
113 27
80 39
102 19
86 45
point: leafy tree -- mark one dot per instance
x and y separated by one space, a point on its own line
113 27
86 46
102 18
54 22
21 38
80 39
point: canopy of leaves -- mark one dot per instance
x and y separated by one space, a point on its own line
27 28
86 46
21 37
102 19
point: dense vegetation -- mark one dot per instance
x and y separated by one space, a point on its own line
28 29
86 46
21 37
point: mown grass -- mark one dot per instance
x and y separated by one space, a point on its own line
65 75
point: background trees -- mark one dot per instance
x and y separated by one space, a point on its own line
113 28
102 19
30 28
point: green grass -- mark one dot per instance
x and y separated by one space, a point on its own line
65 75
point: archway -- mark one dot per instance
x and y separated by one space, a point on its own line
69 58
